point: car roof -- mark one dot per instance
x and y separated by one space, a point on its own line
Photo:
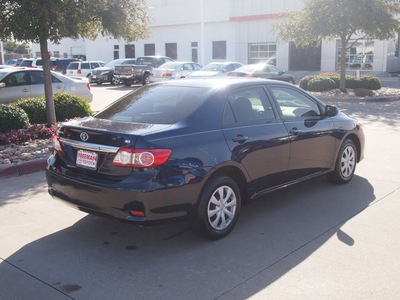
217 83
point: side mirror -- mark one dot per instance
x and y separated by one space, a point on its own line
2 84
331 110
281 72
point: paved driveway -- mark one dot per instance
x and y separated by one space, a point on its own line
314 240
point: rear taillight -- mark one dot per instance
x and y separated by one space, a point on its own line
56 144
167 75
141 158
79 71
249 75
54 68
133 70
88 86
151 74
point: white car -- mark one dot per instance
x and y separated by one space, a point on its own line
83 68
173 70
216 69
20 83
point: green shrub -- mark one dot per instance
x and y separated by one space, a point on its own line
320 84
304 82
12 117
352 82
69 106
370 83
35 109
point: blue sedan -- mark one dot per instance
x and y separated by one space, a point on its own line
198 149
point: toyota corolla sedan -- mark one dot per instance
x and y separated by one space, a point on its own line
198 149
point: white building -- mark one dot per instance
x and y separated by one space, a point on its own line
229 30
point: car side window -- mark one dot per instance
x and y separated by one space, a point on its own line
94 65
38 78
16 79
294 104
85 66
248 105
272 69
187 67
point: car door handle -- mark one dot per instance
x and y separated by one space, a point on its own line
295 131
240 139
25 90
59 87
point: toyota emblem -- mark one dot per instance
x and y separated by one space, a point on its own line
84 136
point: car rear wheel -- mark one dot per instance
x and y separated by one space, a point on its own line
146 79
218 208
345 163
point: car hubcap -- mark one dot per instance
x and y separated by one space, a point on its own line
347 162
221 208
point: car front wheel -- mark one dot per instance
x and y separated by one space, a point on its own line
218 208
115 81
345 163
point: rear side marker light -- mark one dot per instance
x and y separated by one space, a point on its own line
137 213
79 71
56 144
141 158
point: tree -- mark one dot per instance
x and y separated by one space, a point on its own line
41 21
348 20
14 47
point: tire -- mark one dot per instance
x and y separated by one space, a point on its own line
218 208
127 82
346 163
115 81
146 79
99 83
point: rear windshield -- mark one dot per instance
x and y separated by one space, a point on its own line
26 63
73 66
157 104
146 61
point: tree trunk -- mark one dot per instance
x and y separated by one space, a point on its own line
48 88
343 51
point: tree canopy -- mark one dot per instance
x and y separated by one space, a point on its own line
40 21
342 19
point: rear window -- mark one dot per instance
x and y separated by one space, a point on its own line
73 66
157 104
26 63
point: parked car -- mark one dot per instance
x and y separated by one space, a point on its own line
199 148
216 69
83 68
140 71
18 83
106 73
4 66
11 62
60 64
263 71
173 70
26 63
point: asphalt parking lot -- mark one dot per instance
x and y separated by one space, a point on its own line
314 240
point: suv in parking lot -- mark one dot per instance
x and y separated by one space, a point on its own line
83 68
61 64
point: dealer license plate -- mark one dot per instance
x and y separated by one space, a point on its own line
94 76
86 159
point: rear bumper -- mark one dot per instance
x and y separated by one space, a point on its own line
119 199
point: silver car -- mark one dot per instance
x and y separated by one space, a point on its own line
20 83
216 69
173 70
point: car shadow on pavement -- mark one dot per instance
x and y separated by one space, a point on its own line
99 258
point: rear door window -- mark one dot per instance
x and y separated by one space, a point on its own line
85 66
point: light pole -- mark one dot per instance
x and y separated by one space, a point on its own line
201 33
2 53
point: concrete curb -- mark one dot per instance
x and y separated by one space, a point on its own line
23 168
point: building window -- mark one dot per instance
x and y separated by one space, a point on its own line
56 53
262 53
149 49
65 55
130 51
360 56
38 54
171 50
219 50
116 47
195 52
